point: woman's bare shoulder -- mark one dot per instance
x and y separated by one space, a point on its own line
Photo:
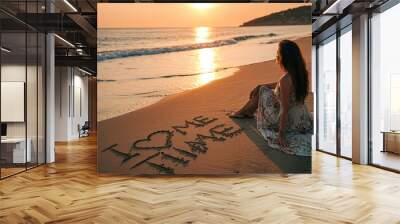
285 79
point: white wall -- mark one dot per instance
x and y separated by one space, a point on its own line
61 110
70 84
80 109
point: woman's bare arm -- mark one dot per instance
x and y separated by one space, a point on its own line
284 85
271 85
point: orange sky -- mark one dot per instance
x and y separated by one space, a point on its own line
113 15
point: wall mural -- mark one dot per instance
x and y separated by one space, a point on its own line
199 95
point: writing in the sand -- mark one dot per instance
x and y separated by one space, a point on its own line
167 151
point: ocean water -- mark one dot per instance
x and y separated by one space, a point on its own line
140 66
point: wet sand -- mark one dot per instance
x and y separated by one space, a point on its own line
130 144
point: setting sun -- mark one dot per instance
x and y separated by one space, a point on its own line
202 6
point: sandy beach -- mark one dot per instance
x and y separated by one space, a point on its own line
224 149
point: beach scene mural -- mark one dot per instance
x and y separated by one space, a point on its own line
170 76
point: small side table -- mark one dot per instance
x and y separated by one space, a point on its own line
395 143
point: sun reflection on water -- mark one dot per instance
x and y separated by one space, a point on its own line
206 65
206 57
202 34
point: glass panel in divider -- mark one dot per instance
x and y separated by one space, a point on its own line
41 98
41 89
31 98
346 75
327 95
13 86
34 69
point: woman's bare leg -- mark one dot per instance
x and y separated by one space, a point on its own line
250 107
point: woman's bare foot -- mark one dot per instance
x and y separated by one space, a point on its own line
238 115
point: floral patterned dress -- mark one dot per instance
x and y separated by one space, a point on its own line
298 129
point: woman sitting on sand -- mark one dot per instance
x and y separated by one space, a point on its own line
282 117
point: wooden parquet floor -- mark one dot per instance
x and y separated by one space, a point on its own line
70 191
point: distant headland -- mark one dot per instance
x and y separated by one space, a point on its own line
296 16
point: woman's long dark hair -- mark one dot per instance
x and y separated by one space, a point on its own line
293 62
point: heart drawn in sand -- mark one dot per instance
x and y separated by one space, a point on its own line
157 140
